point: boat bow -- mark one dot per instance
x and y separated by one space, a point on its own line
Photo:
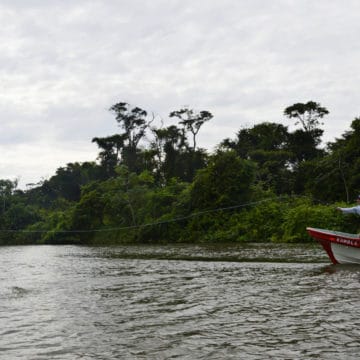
341 247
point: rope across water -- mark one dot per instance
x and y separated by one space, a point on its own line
119 228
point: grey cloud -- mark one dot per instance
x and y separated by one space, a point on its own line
64 63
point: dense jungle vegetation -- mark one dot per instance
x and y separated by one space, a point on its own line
155 185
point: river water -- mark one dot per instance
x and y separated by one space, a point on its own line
68 302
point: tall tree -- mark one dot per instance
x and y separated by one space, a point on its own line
168 145
6 189
124 147
307 114
132 121
304 142
265 136
192 121
110 154
266 144
344 158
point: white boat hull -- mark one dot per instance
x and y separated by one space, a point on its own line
346 254
342 248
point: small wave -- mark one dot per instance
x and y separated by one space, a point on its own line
18 292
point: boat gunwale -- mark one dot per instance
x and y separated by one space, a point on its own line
338 234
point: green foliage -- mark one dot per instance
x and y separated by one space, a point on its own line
226 181
14 221
54 228
319 216
265 136
263 221
303 145
263 186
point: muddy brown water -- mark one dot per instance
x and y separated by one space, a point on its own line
177 302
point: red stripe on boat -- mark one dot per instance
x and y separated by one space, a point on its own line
327 247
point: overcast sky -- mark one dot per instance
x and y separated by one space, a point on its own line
64 63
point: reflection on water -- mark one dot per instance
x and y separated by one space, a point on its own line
101 303
342 269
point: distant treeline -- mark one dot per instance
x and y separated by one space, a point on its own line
155 185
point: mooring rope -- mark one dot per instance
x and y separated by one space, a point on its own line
119 228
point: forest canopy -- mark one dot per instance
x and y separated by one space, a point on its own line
155 185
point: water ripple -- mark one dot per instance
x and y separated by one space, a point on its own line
95 303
